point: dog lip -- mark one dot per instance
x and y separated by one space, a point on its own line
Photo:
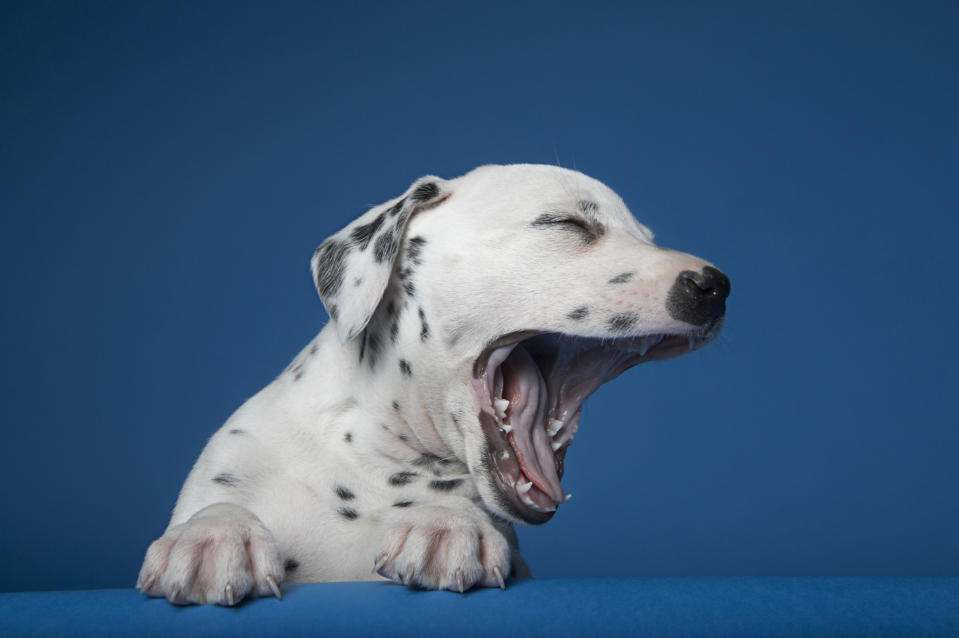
479 366
505 473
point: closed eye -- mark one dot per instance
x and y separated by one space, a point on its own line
554 219
563 221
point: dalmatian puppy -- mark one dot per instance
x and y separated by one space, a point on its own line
470 320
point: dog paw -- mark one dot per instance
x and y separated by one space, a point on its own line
437 547
220 556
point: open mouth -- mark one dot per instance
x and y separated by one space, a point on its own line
530 388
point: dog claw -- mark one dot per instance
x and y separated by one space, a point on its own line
228 594
173 595
499 577
276 588
379 563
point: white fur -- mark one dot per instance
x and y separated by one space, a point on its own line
483 272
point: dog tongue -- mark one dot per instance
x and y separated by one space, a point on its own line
524 386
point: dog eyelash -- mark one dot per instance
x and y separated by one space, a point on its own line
553 219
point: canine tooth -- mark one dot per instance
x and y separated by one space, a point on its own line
523 489
558 444
507 428
536 507
555 425
643 348
500 406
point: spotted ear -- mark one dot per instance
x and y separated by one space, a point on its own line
352 268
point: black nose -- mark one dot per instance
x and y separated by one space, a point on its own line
698 297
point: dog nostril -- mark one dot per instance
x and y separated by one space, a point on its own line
708 283
696 290
714 282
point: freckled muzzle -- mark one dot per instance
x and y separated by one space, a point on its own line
698 298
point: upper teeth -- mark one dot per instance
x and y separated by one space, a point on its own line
500 406
555 425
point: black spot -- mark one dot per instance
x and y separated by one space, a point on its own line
348 437
579 313
397 207
297 370
394 330
370 347
622 321
362 235
290 565
237 431
396 406
357 282
230 480
426 458
401 478
409 288
445 486
456 420
348 513
402 503
313 348
425 192
344 493
334 310
414 248
404 438
622 277
405 368
588 207
329 266
390 308
425 329
385 247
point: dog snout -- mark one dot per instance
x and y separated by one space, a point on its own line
698 298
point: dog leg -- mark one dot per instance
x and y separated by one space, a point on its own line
220 556
450 544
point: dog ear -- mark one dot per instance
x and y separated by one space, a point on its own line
352 268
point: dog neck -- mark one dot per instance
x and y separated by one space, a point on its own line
385 405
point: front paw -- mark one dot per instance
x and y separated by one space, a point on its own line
219 556
439 547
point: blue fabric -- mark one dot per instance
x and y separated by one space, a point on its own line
765 607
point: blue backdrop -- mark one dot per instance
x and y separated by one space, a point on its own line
168 169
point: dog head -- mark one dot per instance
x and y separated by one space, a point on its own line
513 292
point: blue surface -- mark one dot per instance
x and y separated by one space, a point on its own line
768 608
167 169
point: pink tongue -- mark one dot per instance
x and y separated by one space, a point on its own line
525 388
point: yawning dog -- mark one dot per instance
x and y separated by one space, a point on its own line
470 320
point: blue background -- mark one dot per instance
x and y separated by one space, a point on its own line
167 171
